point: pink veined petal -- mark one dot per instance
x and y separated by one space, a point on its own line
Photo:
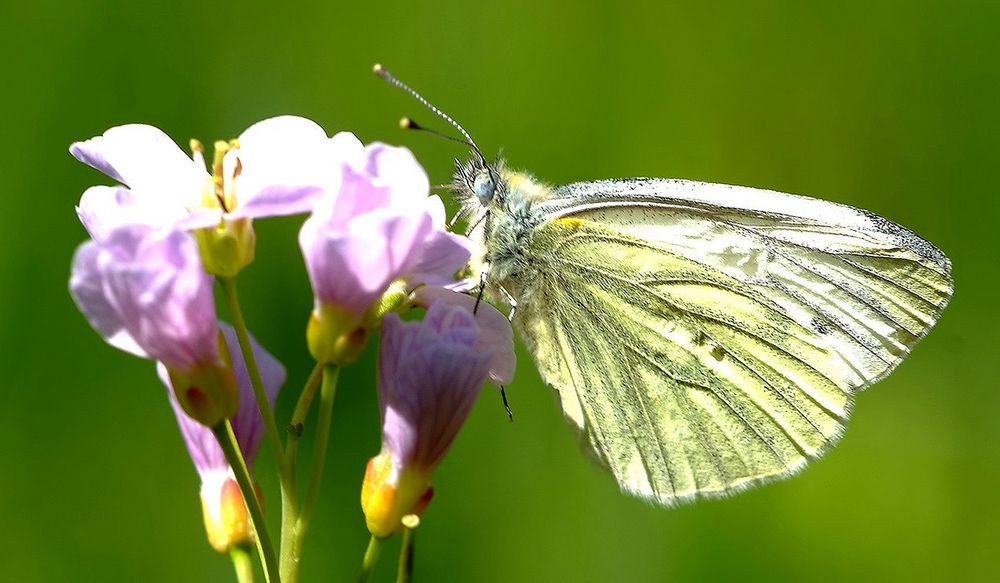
495 333
171 296
87 288
440 257
145 287
397 241
351 269
146 160
429 376
358 194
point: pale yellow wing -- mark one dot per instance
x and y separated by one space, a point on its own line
699 354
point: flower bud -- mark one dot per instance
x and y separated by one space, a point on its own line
225 513
385 500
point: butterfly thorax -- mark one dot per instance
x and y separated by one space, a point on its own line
503 223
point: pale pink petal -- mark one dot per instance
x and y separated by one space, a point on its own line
429 376
152 291
286 164
397 169
86 285
442 254
495 334
146 160
351 269
105 208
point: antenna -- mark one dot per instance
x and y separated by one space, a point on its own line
408 123
388 77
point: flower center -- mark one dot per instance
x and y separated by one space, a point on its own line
220 188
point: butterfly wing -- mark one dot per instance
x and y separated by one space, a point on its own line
705 338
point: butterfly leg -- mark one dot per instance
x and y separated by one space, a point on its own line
510 301
506 405
458 216
479 294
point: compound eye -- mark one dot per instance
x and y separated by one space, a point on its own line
483 187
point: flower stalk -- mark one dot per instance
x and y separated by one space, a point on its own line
270 426
404 570
295 520
265 549
371 557
242 563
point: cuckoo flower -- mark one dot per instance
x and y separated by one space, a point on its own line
276 167
378 228
224 512
145 291
429 375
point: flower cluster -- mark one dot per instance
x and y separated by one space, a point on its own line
375 245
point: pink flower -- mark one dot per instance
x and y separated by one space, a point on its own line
379 226
144 291
224 513
277 167
429 375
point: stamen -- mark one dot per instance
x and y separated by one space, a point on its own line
197 152
218 179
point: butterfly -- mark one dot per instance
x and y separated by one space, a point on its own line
703 338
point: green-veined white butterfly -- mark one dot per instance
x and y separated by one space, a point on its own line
703 338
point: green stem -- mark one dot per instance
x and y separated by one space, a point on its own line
242 562
326 393
270 427
404 571
289 498
299 417
371 557
230 447
294 526
289 561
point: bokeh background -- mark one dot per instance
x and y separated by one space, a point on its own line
888 105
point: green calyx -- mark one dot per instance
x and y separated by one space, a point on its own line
228 247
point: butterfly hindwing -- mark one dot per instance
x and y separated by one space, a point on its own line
701 348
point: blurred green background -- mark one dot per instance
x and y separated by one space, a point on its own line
892 106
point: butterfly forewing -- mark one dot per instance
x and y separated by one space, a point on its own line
702 346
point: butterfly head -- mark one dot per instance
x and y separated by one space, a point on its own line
484 186
478 183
